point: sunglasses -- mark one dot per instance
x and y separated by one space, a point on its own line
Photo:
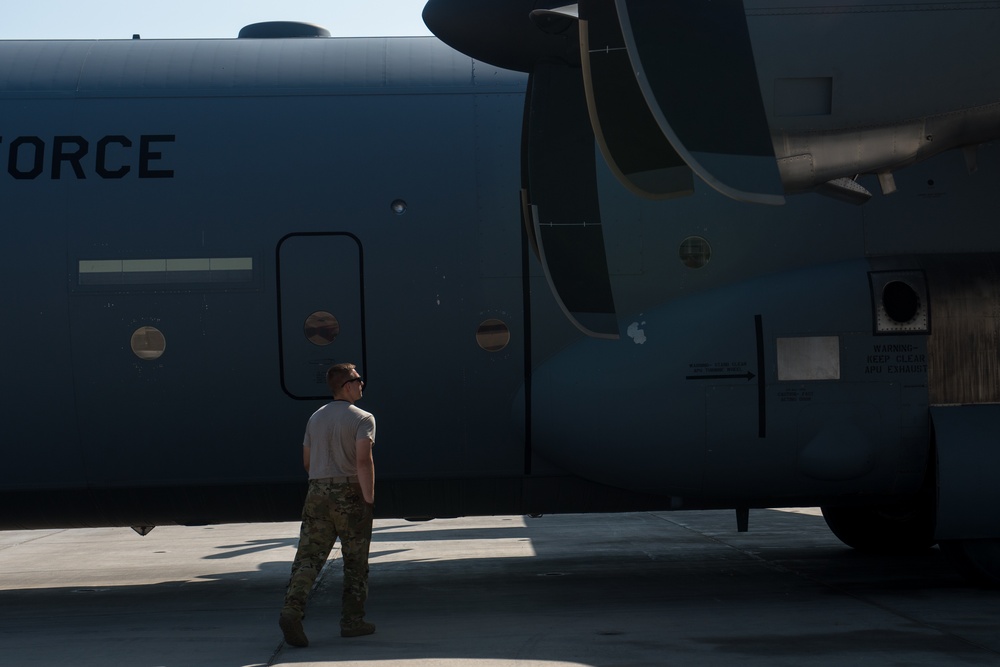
357 379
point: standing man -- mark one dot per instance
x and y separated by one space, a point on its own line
337 454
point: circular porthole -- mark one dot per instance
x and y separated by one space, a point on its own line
492 335
695 252
148 343
321 328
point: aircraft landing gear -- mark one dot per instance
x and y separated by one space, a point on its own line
895 529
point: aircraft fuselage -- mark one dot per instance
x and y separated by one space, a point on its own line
196 229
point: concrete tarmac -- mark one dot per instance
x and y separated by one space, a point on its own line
656 589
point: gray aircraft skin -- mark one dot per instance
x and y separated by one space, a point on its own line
552 312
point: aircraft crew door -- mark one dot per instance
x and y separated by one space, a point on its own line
320 309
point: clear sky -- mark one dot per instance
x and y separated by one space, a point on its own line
120 19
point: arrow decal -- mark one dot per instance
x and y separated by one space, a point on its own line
733 376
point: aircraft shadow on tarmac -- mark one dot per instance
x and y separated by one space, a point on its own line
253 546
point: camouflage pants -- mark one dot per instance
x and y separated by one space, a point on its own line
333 510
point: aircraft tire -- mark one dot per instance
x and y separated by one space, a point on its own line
977 560
882 530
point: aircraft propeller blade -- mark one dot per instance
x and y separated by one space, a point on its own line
562 207
695 66
631 142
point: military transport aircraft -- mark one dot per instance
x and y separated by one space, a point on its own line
590 258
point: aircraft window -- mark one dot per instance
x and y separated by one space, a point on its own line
148 343
493 335
695 252
165 270
321 328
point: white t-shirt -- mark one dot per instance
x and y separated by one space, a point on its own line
331 436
